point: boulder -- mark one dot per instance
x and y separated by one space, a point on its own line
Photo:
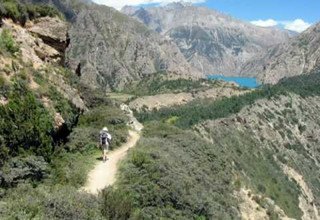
52 31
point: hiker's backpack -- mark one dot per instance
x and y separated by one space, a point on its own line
105 138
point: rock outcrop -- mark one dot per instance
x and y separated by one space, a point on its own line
110 49
42 41
212 42
301 55
53 31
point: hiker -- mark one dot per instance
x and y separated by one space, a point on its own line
105 139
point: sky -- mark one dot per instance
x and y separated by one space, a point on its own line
295 15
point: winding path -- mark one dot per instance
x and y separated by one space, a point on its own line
104 173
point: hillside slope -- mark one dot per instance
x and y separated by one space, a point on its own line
212 42
109 49
301 55
274 146
49 121
268 137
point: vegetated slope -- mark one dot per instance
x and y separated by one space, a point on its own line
275 147
298 56
68 8
49 121
157 94
269 138
212 42
172 174
110 49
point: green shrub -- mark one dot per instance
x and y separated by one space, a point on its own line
67 110
139 158
7 42
117 204
45 202
14 10
172 174
21 12
4 87
23 169
109 116
10 9
25 124
35 11
93 97
71 168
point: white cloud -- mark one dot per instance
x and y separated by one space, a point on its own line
297 25
265 23
118 4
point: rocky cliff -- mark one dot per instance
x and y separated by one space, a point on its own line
110 49
212 42
301 55
40 51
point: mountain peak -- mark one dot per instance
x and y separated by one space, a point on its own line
129 10
178 5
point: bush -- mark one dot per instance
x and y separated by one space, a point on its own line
21 12
93 97
44 202
35 11
20 170
4 87
83 139
117 204
109 116
7 42
172 174
71 168
25 124
14 10
67 110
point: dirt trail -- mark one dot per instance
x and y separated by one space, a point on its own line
104 173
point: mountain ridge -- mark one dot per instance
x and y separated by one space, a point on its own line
300 55
211 41
125 50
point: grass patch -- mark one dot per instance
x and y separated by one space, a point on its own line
7 43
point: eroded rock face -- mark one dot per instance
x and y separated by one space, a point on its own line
114 50
39 42
53 31
301 55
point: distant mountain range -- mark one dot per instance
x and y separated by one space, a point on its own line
299 55
211 41
112 49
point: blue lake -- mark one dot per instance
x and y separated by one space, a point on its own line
241 81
